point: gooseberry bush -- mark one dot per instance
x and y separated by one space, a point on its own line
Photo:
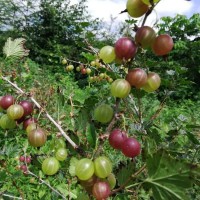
105 141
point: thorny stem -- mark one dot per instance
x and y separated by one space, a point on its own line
162 104
47 184
139 106
75 61
10 196
91 47
129 179
110 126
72 106
134 106
73 144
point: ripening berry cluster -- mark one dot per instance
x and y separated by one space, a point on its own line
25 160
17 113
96 176
90 70
129 146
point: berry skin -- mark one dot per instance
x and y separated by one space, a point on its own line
131 147
23 168
28 159
116 138
22 159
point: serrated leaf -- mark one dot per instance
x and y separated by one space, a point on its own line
90 134
3 175
41 193
63 189
82 120
155 135
125 173
83 196
15 48
192 138
72 166
88 56
149 147
168 178
192 126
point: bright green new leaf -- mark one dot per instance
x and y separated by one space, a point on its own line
168 178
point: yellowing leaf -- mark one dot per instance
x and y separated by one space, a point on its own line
15 48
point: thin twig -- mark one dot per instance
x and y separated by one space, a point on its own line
12 197
109 128
134 105
91 47
96 52
162 104
133 176
139 106
149 12
76 62
47 184
146 15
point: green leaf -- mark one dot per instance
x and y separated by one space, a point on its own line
195 173
150 147
192 126
41 193
85 24
3 175
125 173
90 134
72 166
82 120
82 196
121 197
88 56
155 135
131 21
168 178
63 189
15 48
192 138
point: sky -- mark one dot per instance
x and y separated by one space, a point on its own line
104 9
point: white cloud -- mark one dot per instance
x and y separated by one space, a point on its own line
103 9
173 7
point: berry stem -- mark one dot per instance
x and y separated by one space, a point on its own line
133 176
109 128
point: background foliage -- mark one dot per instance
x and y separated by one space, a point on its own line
54 30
